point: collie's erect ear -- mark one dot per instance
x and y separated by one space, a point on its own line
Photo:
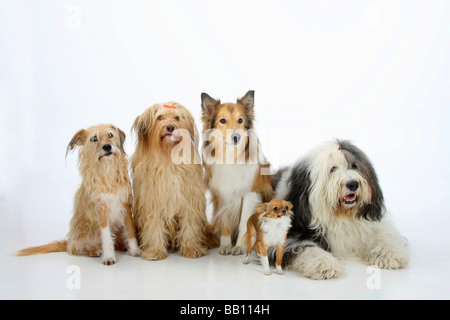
78 140
248 99
208 104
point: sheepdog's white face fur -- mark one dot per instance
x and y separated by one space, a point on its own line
338 182
333 180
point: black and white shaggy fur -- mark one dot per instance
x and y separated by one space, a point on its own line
339 213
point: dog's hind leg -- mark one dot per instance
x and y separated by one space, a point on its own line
250 202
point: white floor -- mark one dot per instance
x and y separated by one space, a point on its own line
61 276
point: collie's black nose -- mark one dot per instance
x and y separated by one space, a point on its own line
170 128
107 147
353 185
236 137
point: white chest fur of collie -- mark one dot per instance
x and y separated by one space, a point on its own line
236 172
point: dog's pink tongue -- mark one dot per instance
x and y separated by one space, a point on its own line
350 197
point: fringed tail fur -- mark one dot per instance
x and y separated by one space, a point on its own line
55 246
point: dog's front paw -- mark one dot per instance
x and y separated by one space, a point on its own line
109 261
153 255
225 250
317 264
193 252
237 250
135 252
386 259
133 248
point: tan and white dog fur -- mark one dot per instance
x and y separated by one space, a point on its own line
102 218
234 164
168 186
266 228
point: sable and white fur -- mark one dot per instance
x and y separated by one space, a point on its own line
266 228
339 214
233 163
102 218
169 194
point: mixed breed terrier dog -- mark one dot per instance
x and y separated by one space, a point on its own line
326 207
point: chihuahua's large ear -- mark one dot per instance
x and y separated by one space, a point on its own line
290 205
78 140
264 207
208 105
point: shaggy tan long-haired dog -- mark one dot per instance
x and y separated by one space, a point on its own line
168 186
102 215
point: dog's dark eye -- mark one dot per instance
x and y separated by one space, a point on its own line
110 135
94 139
286 208
333 169
177 118
354 166
275 209
223 121
160 117
240 120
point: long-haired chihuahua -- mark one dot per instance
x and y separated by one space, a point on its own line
266 228
102 218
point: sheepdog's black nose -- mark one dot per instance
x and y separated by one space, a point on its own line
353 185
236 137
170 128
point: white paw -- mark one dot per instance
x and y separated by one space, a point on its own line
237 250
133 248
317 264
385 259
267 273
225 250
109 261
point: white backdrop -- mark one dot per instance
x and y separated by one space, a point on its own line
374 72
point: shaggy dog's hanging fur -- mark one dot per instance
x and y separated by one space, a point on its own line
168 186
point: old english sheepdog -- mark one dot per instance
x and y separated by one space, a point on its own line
339 214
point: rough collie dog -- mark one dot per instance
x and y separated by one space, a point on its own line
266 228
236 172
168 187
102 215
339 214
